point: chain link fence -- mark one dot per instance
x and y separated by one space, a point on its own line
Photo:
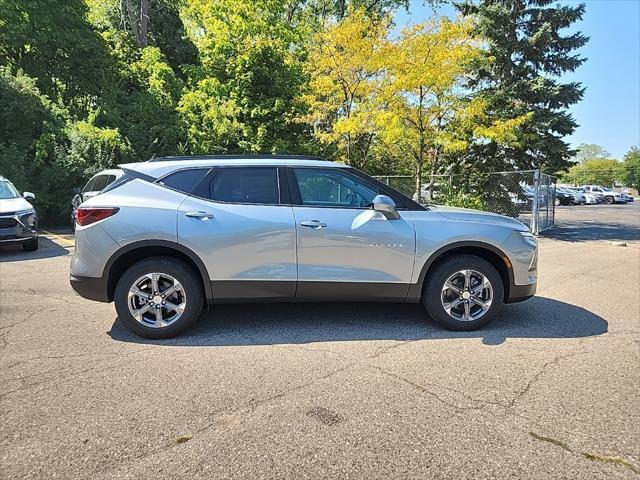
528 196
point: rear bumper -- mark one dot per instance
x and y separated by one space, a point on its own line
92 288
519 293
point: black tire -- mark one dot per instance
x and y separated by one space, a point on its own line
438 275
169 266
608 200
30 245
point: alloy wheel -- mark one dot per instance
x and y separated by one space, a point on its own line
467 295
156 300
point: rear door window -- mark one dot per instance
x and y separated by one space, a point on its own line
254 185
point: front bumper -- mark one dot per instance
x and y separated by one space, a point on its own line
14 230
519 293
92 288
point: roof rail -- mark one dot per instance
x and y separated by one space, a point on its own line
234 157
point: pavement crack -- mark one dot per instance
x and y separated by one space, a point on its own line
384 350
533 380
424 390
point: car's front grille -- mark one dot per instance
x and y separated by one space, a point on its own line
7 222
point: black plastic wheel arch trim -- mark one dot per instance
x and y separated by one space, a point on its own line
202 269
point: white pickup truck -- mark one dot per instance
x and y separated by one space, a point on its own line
608 196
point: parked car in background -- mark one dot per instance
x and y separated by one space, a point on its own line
95 184
578 197
589 198
562 197
608 196
18 217
627 198
175 233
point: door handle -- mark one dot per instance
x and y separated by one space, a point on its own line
315 224
200 215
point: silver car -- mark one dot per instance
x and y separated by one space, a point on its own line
18 217
174 234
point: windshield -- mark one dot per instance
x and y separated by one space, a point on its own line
7 190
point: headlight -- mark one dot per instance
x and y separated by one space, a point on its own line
28 217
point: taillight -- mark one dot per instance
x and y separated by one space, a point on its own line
86 215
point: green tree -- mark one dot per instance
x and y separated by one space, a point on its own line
52 41
529 52
245 95
631 166
344 66
598 171
589 151
91 149
425 111
31 131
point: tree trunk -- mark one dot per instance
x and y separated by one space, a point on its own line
418 180
434 169
139 21
145 6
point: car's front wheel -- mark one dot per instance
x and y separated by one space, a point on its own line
158 297
30 245
463 292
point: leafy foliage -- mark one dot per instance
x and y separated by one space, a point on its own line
631 166
245 94
598 171
89 84
344 66
589 151
527 54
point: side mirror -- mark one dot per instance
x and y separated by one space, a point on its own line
386 206
28 196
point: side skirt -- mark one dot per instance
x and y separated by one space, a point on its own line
257 291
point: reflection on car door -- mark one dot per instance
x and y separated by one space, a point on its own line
345 249
245 235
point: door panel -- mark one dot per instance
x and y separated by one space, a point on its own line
249 250
356 246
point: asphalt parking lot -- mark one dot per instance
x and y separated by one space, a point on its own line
550 390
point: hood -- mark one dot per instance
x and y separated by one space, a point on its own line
11 205
468 215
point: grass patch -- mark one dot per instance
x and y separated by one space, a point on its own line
183 438
589 456
608 459
551 440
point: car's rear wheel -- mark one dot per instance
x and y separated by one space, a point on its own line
30 245
608 200
463 292
158 297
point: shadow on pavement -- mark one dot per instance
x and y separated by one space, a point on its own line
47 249
585 231
227 325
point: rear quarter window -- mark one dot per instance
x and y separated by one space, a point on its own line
184 180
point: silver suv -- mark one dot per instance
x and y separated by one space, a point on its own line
174 234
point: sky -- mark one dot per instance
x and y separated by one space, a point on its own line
609 113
